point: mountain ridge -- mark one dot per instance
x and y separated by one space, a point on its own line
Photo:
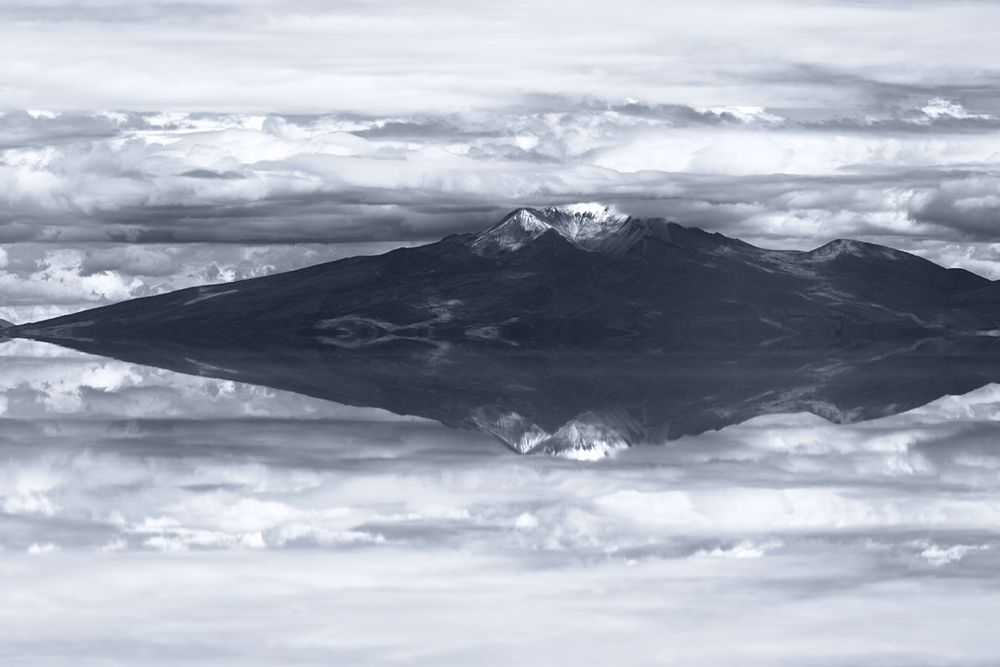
639 278
579 341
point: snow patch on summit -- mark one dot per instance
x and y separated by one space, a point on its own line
582 222
518 228
590 226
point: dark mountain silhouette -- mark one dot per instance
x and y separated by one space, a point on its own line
578 330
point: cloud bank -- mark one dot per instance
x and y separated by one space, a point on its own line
928 173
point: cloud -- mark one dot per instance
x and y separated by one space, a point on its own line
130 260
382 57
969 205
798 145
396 125
43 381
42 280
239 178
197 463
938 556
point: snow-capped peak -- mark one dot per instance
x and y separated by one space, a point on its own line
516 229
584 221
590 226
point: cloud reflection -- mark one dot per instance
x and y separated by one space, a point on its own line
347 513
208 447
211 494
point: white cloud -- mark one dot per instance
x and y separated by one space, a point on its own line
42 381
745 549
937 107
42 281
938 556
526 521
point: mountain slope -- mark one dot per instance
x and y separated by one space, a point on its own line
642 282
585 402
578 331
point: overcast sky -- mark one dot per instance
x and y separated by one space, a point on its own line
232 124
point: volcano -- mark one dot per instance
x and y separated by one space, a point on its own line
579 330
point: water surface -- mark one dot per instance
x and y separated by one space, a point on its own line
155 517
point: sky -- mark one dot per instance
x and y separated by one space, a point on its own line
150 146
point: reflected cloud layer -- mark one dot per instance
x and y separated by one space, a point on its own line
179 499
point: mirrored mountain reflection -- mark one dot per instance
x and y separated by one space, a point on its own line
585 402
578 331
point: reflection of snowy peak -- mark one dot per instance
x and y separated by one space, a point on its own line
593 227
513 430
589 436
539 329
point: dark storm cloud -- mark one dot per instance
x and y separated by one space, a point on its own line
356 216
132 260
969 206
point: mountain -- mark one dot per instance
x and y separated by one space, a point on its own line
579 330
585 401
574 276
587 226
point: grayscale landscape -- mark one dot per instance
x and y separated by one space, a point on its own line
381 333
